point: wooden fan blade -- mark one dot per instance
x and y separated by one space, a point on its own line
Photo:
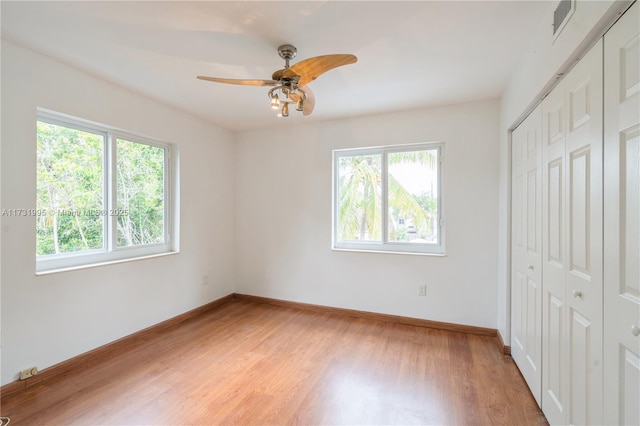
309 100
240 82
312 68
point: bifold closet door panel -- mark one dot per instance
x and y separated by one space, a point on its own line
622 221
572 245
554 324
583 288
526 251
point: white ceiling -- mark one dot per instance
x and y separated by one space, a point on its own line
410 54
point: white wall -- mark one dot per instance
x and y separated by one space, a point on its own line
530 81
50 318
283 217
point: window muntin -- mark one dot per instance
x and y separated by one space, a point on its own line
389 199
102 194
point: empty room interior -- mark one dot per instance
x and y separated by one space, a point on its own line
320 212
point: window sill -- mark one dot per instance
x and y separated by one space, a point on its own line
104 263
412 253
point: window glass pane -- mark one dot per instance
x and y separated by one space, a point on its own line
140 194
413 196
70 190
359 198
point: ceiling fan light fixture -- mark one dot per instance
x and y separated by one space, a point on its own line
275 101
285 110
300 104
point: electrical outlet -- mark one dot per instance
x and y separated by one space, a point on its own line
29 372
422 289
205 280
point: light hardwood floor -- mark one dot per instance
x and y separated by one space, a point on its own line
248 363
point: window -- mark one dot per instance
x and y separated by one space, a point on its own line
388 199
102 194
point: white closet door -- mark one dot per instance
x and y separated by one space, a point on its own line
584 98
572 254
622 221
526 271
554 376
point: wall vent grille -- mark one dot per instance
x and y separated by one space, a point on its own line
561 15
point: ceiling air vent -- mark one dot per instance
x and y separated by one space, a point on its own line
561 15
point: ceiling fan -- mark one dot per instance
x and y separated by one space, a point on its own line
290 83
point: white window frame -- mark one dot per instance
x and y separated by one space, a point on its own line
385 246
110 253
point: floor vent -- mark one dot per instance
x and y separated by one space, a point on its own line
561 15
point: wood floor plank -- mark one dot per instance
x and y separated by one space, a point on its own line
249 363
